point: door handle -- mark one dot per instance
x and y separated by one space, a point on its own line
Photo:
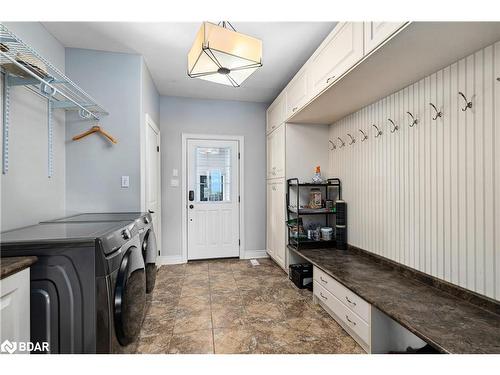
191 195
191 206
151 211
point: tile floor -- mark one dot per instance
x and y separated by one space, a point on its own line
230 306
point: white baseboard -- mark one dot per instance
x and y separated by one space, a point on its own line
253 254
169 259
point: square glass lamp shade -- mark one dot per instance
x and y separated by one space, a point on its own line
224 56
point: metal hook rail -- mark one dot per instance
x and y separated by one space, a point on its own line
379 132
364 137
438 113
22 66
414 121
468 104
394 126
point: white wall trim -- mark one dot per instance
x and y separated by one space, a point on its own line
169 259
240 139
253 254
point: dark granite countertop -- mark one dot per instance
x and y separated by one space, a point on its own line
448 323
11 265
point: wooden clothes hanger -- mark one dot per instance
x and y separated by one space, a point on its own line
95 129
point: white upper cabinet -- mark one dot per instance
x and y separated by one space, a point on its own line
296 93
276 114
338 53
378 32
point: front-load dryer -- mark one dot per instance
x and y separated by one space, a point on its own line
87 287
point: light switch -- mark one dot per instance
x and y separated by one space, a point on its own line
125 181
175 172
174 182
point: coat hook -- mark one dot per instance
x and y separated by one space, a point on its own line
414 121
467 103
379 132
333 145
352 139
342 143
364 137
438 113
394 126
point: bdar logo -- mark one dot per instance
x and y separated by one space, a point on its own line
9 347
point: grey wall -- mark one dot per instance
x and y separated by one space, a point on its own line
150 99
184 115
27 194
94 166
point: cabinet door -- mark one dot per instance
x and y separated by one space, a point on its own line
378 32
296 94
15 308
269 152
275 114
278 152
270 218
279 222
341 50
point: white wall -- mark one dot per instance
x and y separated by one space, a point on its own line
28 195
183 115
94 166
429 196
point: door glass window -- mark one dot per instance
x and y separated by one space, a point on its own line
213 174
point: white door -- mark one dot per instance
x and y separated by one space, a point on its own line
213 199
153 197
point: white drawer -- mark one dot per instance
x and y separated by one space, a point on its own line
350 320
348 298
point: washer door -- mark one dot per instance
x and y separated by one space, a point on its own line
130 296
149 254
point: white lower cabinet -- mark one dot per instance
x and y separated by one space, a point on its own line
276 241
349 310
374 331
15 309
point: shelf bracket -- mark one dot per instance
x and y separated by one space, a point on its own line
5 123
50 137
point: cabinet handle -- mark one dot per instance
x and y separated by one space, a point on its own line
350 321
329 79
294 109
323 280
348 300
272 127
322 296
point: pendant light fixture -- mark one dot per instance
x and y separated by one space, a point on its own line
222 55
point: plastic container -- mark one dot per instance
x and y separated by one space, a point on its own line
326 233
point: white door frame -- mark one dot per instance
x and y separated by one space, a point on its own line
148 121
240 140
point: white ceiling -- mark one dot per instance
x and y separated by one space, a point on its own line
286 46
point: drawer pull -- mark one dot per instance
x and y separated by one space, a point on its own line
349 320
323 280
294 109
322 296
348 300
329 79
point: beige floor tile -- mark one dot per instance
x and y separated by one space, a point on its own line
154 344
238 340
227 316
194 342
192 321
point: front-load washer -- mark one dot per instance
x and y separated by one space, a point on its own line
144 224
87 287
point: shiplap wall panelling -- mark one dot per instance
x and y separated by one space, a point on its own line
428 196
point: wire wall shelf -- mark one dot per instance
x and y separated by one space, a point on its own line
22 66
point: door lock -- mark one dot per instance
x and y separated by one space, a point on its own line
191 206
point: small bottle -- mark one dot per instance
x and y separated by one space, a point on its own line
317 176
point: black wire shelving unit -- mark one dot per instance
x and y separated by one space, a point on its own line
302 242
